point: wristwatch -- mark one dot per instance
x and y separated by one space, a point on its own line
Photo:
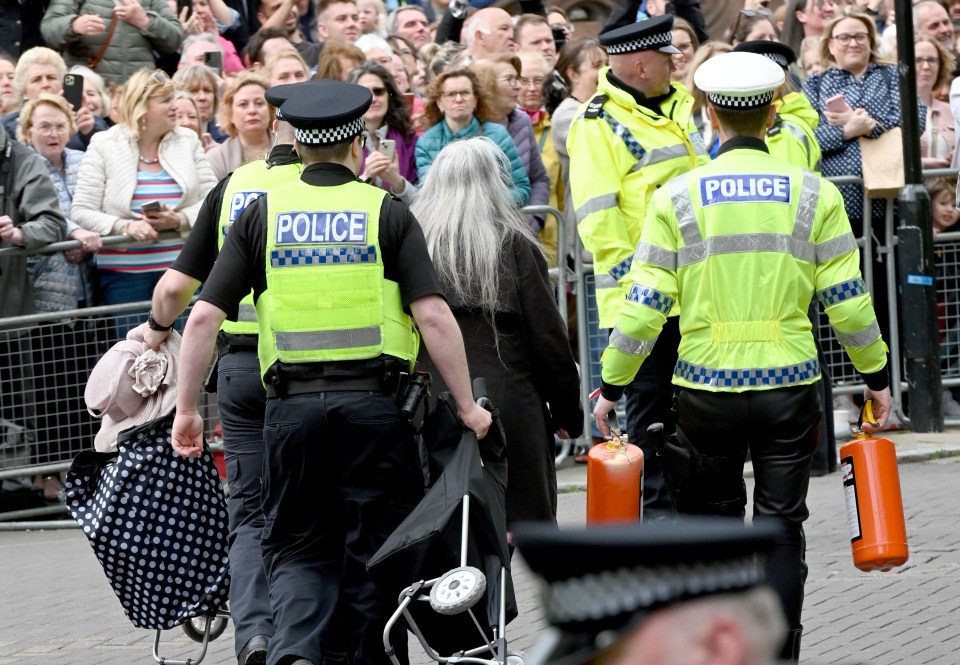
152 323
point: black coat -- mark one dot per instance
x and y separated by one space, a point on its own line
533 380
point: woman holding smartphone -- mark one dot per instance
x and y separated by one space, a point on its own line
389 159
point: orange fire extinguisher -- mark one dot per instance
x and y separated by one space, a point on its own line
871 485
614 479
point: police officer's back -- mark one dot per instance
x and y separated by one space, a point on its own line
742 245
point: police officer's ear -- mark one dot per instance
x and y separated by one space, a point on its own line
714 120
771 116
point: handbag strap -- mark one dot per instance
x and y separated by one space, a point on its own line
98 56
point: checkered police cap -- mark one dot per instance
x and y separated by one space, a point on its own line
654 34
331 135
739 80
326 112
780 53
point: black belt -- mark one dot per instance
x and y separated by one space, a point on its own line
291 386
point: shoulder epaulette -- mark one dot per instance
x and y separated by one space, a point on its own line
595 106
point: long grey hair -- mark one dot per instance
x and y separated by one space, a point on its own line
468 220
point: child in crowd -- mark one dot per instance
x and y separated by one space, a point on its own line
945 215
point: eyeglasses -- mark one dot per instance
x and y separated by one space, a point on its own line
378 92
929 62
860 38
453 94
760 11
569 27
512 81
160 77
47 128
536 81
384 60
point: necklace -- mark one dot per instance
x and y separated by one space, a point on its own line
149 161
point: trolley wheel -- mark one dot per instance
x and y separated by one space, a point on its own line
516 658
458 590
194 627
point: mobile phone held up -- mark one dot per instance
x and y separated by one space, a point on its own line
388 147
73 90
837 103
214 60
152 206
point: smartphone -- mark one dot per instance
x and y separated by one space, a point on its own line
152 206
388 147
73 90
408 98
214 60
837 103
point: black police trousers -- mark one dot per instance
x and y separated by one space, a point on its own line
342 471
780 427
650 400
242 401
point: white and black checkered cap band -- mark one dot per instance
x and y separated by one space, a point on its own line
644 43
331 135
777 58
731 102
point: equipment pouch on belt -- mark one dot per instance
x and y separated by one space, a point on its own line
698 483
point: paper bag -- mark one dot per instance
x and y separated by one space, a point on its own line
882 160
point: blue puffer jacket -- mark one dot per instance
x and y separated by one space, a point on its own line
521 131
432 141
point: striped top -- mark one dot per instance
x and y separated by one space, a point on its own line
154 258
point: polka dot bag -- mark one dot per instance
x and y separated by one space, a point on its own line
158 524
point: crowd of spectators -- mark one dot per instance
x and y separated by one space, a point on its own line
173 99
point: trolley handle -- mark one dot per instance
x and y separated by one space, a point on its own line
480 394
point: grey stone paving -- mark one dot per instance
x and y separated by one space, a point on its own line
57 609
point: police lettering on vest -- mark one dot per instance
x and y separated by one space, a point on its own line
315 227
745 188
238 202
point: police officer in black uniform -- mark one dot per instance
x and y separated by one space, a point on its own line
335 265
241 398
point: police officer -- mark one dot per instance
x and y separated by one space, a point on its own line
674 592
334 265
791 138
241 399
741 245
631 138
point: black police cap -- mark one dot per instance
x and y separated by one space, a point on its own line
654 34
600 582
780 53
326 112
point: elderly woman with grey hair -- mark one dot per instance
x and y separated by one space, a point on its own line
494 276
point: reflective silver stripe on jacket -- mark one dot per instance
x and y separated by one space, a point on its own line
806 207
800 136
747 377
605 281
596 204
657 155
745 242
845 290
327 339
631 345
680 197
865 337
835 247
657 256
247 313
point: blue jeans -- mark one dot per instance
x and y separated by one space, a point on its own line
119 288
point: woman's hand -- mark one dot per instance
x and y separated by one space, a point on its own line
839 118
378 165
163 220
209 143
90 242
10 232
934 163
192 25
141 230
85 121
859 124
88 25
132 13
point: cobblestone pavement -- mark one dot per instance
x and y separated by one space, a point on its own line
57 608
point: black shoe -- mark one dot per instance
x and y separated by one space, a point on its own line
254 652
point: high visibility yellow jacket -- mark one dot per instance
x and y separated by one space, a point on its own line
246 185
743 244
326 297
542 132
792 137
620 153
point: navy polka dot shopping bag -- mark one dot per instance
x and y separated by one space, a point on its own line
158 524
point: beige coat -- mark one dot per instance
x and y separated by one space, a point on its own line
108 178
